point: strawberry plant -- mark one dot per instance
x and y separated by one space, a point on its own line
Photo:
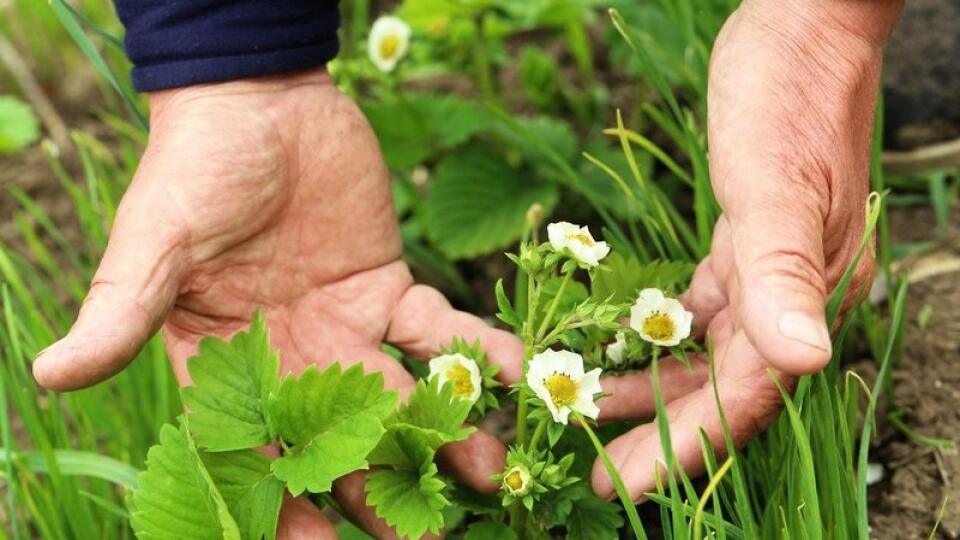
325 424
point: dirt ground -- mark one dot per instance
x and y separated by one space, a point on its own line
921 479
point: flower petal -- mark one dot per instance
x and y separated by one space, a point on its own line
558 232
587 408
589 383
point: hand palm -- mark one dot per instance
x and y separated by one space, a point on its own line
262 231
270 194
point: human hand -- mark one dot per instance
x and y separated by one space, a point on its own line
791 99
269 193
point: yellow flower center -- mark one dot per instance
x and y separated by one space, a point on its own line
582 238
514 480
462 385
389 46
659 326
563 391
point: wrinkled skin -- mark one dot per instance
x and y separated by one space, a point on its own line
791 98
273 193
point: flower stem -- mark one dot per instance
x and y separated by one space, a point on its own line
532 298
481 61
517 518
522 404
538 434
553 306
625 500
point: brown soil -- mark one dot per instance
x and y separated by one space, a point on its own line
920 477
920 79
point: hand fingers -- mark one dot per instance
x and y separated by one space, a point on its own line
778 250
707 294
301 520
750 402
133 290
633 398
349 491
424 321
475 460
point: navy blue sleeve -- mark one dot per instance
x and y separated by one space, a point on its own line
182 42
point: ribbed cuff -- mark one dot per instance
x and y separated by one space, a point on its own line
184 42
150 77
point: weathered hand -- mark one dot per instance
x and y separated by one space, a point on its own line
268 193
791 99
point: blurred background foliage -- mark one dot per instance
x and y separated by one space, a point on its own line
500 105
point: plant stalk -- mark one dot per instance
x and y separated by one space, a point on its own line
538 434
481 60
553 306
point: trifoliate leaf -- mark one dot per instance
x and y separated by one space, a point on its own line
176 498
624 276
477 203
330 421
409 500
252 493
231 382
489 531
18 125
431 418
592 518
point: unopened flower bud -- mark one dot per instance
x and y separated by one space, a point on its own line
534 215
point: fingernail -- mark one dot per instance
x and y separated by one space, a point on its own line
805 329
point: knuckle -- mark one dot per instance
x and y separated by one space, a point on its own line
789 267
765 404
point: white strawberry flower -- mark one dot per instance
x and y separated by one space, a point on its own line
558 379
660 320
617 351
462 371
388 42
578 242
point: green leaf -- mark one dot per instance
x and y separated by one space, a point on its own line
75 463
252 493
175 497
507 314
593 518
489 531
331 420
431 418
232 381
624 276
18 125
412 129
477 203
556 134
408 500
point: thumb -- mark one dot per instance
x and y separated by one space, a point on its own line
777 242
130 295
